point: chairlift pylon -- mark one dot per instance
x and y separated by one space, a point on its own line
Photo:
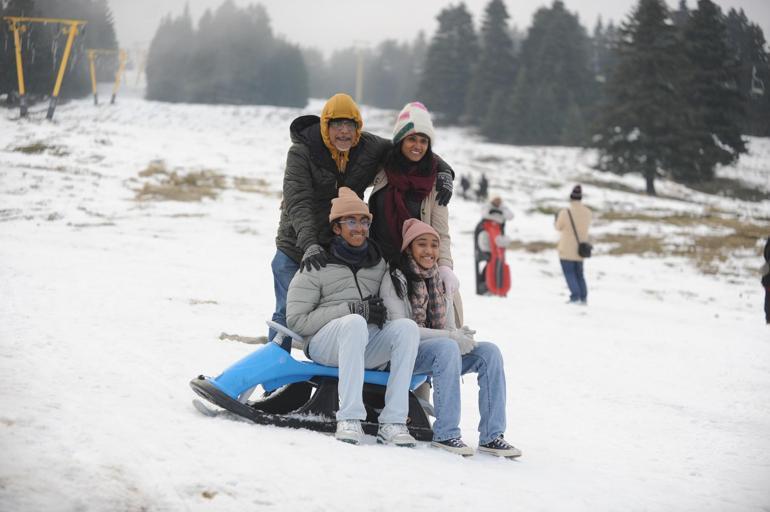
20 24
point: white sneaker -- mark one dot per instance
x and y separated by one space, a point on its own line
349 431
455 445
395 433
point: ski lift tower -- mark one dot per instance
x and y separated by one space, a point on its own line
93 54
360 46
18 25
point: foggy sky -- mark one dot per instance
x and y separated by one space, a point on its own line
336 24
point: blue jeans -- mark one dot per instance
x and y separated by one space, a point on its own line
284 269
441 358
573 273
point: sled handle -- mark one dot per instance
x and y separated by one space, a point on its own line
284 335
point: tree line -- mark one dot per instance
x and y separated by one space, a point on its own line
43 47
231 57
666 93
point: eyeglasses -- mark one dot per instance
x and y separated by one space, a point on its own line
352 223
343 123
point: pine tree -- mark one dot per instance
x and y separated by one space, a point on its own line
681 16
286 80
644 118
168 59
555 81
448 64
716 107
747 43
495 69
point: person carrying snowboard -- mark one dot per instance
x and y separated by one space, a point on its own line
492 272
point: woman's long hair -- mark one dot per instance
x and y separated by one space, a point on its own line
402 263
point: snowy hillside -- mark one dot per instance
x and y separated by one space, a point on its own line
132 235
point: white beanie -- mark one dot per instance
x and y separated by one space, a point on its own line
413 118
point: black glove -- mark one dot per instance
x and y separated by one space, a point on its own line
371 308
444 187
314 257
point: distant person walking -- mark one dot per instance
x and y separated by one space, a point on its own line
483 191
465 184
573 223
766 280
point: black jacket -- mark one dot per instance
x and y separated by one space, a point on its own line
311 181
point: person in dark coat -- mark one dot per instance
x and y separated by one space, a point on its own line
327 153
483 190
766 280
465 184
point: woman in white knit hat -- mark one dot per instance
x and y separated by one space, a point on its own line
405 188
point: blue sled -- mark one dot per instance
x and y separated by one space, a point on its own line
298 394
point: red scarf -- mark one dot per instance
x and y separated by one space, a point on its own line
399 183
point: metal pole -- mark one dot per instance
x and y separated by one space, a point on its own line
91 59
19 68
360 76
121 66
73 31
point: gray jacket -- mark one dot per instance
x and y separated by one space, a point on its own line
317 297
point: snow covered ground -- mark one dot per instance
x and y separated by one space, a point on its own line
654 397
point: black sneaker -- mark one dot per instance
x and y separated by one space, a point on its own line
501 448
454 445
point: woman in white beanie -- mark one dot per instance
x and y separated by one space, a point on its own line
405 188
414 289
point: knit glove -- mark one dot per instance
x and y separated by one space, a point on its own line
444 187
451 283
464 339
371 308
314 257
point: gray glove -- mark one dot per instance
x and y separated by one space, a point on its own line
464 339
314 257
371 308
444 187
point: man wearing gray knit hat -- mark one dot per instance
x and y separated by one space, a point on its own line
573 223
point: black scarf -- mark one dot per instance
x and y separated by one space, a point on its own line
348 254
